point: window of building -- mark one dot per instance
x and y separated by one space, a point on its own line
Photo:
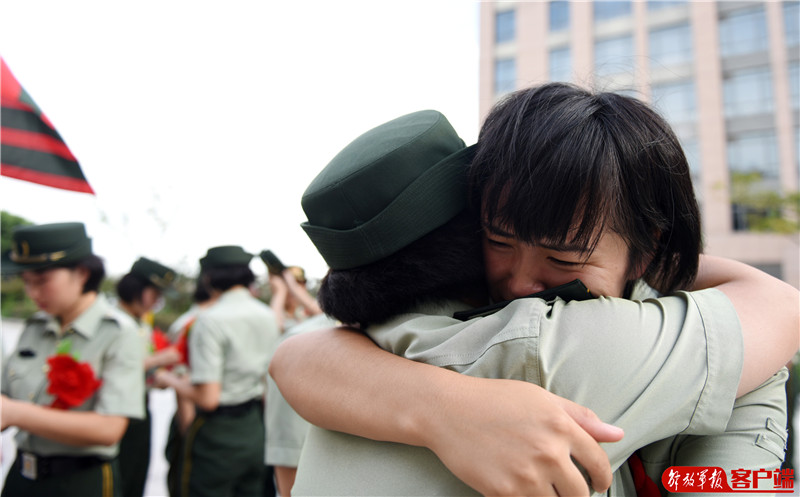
505 75
560 61
748 92
504 26
753 164
613 55
559 15
663 4
743 32
611 9
691 148
794 84
671 46
755 151
791 22
676 101
797 149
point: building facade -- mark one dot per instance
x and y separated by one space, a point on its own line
725 74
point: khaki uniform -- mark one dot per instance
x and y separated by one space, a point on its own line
106 339
231 344
286 430
667 366
134 457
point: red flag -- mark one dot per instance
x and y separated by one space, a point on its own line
30 147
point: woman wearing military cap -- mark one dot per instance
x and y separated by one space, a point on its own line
74 380
230 347
139 291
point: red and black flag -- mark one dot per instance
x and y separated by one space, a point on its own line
30 147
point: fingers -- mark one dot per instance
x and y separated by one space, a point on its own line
569 481
588 454
588 420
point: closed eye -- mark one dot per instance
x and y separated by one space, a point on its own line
564 263
496 243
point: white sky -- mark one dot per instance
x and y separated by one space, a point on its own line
201 123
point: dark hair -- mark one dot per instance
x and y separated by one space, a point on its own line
447 263
94 266
130 288
223 278
557 158
201 293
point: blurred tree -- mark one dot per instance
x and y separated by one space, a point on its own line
12 293
8 222
759 209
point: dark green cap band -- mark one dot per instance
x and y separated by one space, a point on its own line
225 255
154 272
388 188
46 245
437 196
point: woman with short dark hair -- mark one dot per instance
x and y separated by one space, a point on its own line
74 380
230 346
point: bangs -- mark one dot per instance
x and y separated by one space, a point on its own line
560 183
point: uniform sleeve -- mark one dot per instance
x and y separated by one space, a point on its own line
286 430
122 390
755 438
667 366
655 368
4 381
206 349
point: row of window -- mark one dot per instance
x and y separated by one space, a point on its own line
741 31
737 30
745 92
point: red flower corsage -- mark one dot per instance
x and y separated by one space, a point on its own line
71 382
160 340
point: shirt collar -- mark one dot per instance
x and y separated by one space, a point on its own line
88 322
235 294
642 291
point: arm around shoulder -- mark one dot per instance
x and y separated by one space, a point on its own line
768 310
340 380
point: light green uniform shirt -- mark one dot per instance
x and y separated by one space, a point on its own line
104 337
231 343
145 332
655 368
754 439
285 429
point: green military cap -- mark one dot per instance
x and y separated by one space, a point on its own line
225 255
46 245
154 272
387 188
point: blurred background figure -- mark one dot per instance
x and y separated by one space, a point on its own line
184 407
290 300
139 292
230 345
68 438
296 311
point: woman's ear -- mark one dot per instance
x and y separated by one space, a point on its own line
82 272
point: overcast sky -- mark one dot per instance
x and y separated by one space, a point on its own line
201 123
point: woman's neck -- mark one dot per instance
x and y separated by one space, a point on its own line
84 302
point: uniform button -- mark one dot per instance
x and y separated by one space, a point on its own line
11 373
30 396
45 368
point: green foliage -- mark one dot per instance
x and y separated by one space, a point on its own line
13 301
766 210
8 222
